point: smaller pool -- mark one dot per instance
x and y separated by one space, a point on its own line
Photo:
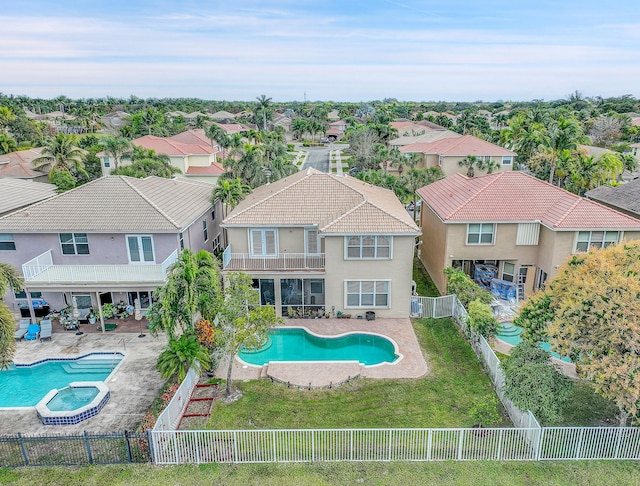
296 344
73 404
510 334
72 398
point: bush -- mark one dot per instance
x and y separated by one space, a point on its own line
533 383
460 284
484 411
481 319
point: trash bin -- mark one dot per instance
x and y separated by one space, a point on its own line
370 316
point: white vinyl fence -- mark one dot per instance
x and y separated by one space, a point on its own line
528 441
170 416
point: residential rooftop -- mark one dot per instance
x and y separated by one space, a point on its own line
625 196
17 193
335 204
116 204
458 146
517 197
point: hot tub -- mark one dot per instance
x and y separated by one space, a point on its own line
73 404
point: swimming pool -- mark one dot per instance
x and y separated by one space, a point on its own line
26 385
296 344
510 334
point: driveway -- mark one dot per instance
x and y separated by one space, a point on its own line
318 158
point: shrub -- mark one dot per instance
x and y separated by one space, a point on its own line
465 288
481 319
484 411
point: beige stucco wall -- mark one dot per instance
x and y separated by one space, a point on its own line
450 166
397 270
432 251
200 160
290 240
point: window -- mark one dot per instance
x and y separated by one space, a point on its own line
22 295
205 233
106 162
596 239
312 242
480 234
362 247
6 242
216 243
367 293
508 271
140 249
74 243
181 240
263 242
507 160
213 215
144 299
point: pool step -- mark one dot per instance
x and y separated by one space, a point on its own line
97 364
77 370
509 330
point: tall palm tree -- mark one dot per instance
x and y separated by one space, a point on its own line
116 147
414 179
488 165
219 135
9 278
230 192
61 153
563 134
263 105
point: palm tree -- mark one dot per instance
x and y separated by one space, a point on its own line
180 355
280 167
248 166
230 192
414 179
299 126
401 160
61 153
263 105
9 278
218 134
469 161
7 144
563 134
116 147
489 165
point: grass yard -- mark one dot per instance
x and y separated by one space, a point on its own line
424 285
441 399
597 473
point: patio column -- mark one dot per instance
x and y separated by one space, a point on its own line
100 311
32 311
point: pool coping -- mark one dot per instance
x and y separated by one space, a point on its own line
396 349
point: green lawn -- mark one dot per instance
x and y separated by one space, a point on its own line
424 284
436 473
441 399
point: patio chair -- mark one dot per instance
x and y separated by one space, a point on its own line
46 329
22 330
32 333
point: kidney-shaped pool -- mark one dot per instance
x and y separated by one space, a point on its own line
296 344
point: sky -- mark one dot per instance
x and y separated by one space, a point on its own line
411 50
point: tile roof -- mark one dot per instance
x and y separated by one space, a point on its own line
335 204
170 147
19 164
458 146
515 196
17 193
429 135
116 204
232 128
195 136
214 169
625 196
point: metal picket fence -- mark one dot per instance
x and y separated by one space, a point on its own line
79 449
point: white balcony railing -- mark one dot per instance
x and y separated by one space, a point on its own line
41 269
282 261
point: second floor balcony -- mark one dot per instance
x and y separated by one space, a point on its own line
42 270
282 261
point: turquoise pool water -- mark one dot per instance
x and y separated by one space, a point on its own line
295 344
69 398
510 334
25 386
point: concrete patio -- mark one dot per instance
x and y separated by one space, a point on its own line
411 365
134 384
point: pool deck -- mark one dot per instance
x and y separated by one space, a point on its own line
134 384
319 374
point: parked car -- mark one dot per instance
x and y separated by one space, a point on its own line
325 140
354 170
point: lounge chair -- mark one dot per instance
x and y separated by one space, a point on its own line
45 332
22 330
108 327
32 333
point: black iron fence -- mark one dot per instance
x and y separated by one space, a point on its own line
79 449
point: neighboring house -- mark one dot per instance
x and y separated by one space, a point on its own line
425 135
114 120
519 226
196 159
110 240
624 198
336 130
317 243
232 128
18 193
446 153
635 150
222 116
19 165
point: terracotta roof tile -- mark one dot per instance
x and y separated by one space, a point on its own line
515 196
167 146
458 146
19 164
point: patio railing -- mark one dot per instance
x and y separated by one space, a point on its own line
282 261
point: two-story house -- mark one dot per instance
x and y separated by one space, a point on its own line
318 243
516 227
447 152
107 241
